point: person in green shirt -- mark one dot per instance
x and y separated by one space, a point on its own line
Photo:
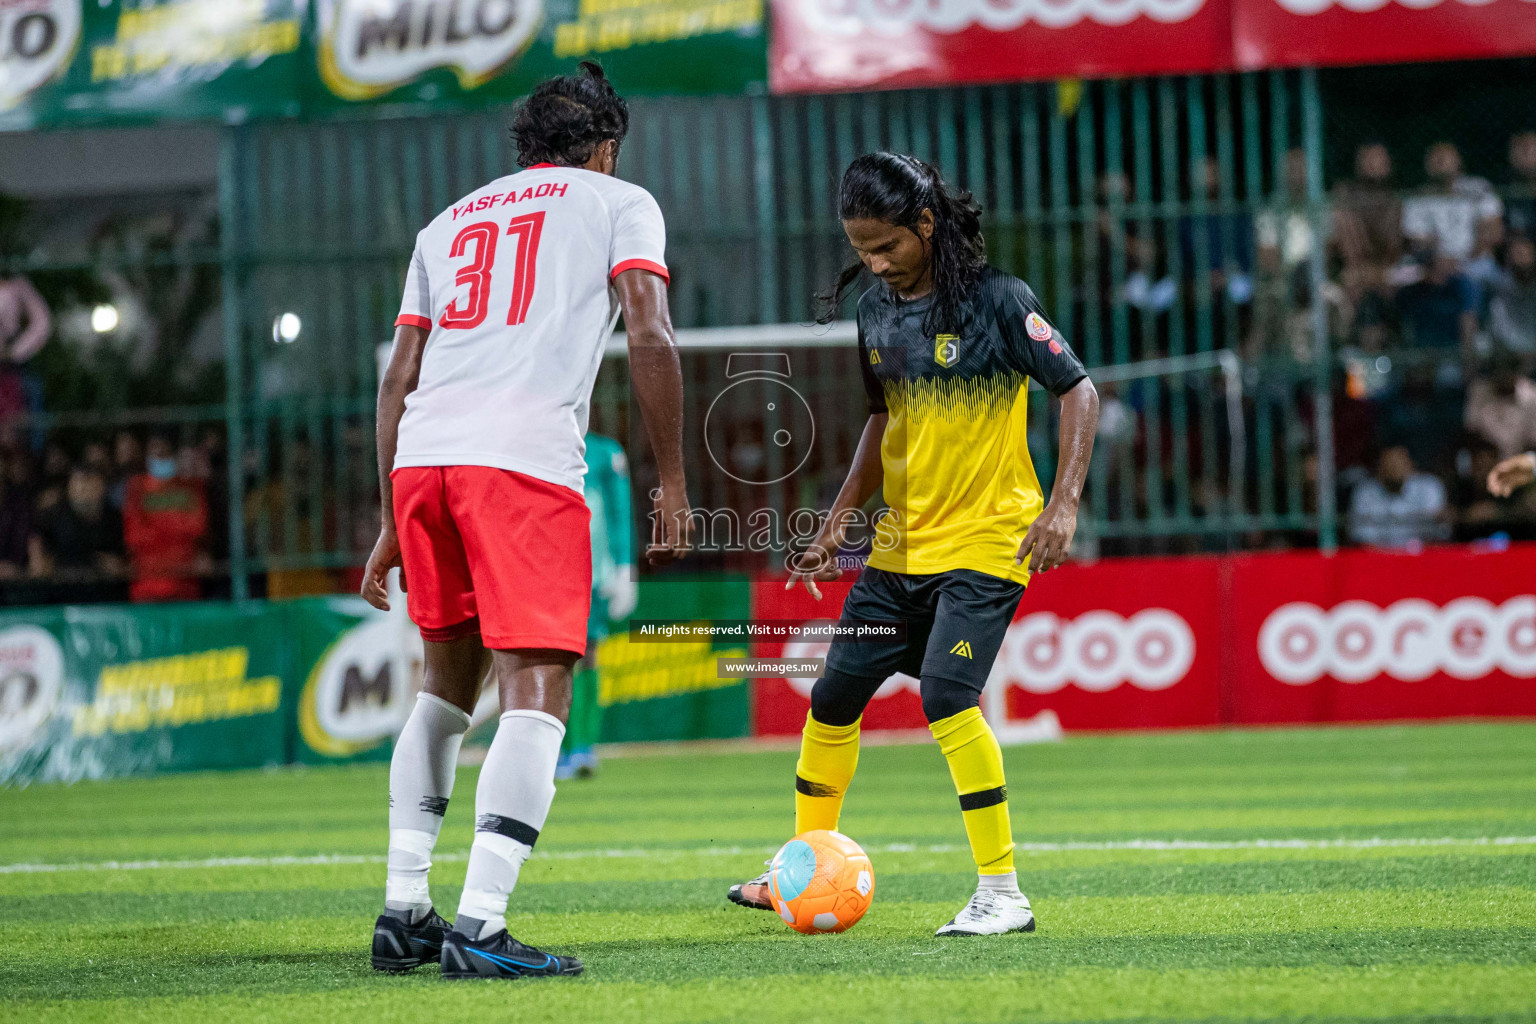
614 591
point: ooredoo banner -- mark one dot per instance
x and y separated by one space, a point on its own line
1296 33
1368 635
1251 640
1138 652
821 45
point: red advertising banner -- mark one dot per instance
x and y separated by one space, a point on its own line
1251 640
821 45
1131 644
779 705
830 45
1296 33
1366 635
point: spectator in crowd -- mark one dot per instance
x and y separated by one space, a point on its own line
127 463
1481 513
1458 216
80 538
1440 310
1512 474
25 324
1282 278
1501 406
1368 223
1512 312
15 527
1521 212
1422 417
55 475
1399 508
1223 240
166 524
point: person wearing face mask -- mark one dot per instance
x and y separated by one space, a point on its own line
165 520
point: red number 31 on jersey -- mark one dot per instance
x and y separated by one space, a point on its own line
477 274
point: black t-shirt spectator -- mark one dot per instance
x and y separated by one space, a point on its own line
74 541
15 527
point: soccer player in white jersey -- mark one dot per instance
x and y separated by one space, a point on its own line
511 294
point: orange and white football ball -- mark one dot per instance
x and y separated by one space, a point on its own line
821 881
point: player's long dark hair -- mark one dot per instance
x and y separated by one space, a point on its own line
565 118
896 189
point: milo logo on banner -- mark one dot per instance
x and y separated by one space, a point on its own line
371 47
361 691
37 41
31 673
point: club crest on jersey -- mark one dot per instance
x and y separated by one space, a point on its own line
371 47
946 349
1038 329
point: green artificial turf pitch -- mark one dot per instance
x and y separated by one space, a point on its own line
1372 873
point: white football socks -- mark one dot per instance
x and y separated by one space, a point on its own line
1007 884
420 782
517 785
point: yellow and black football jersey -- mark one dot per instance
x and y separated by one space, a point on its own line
959 481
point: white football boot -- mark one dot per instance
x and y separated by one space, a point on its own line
992 912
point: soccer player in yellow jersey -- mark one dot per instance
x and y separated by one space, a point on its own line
947 345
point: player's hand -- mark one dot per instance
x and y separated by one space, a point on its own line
816 562
1049 538
1511 474
386 555
671 524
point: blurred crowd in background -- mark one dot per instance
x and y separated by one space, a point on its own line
1428 295
1426 288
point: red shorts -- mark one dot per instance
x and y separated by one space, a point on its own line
490 551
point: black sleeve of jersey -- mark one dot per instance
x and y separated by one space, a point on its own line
872 389
1032 342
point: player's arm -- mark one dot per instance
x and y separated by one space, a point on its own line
1050 536
1040 351
400 379
865 477
656 373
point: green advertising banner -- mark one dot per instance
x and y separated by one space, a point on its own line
671 690
91 692
77 62
106 690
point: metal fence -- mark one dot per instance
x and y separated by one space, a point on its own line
1095 193
1132 207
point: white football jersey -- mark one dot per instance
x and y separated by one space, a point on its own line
514 283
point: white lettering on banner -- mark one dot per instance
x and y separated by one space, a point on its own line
1409 640
1097 651
1042 653
1310 7
894 17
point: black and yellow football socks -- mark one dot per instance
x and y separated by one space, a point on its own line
828 756
976 765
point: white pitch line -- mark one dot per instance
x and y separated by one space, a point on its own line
1153 845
